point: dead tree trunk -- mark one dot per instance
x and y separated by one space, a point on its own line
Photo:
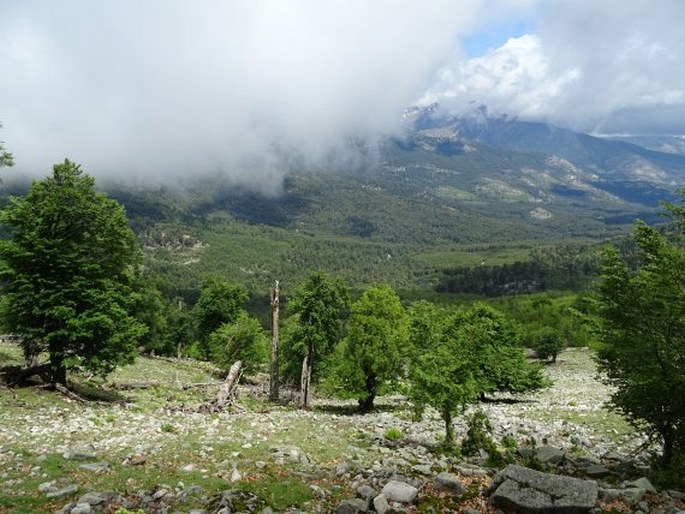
305 381
227 390
274 392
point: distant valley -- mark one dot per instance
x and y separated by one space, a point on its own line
452 192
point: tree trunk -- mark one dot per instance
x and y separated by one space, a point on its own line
449 429
305 381
274 391
58 370
668 448
366 403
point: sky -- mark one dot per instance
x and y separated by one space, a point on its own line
148 91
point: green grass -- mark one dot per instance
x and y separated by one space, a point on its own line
280 491
10 354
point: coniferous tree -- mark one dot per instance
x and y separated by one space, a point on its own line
68 271
371 355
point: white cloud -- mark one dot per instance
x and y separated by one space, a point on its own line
515 78
606 66
173 86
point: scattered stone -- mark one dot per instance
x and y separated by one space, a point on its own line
471 470
449 482
81 508
137 460
677 495
80 453
609 494
632 495
46 487
400 492
525 452
596 471
353 506
290 454
422 469
549 454
367 493
93 499
159 494
612 456
642 483
529 491
63 492
380 503
95 467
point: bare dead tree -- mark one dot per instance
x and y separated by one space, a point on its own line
274 392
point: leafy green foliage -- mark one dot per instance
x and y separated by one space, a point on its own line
5 157
68 270
567 267
180 333
393 434
220 303
318 305
478 435
370 358
547 343
642 337
442 375
462 356
243 339
498 361
570 315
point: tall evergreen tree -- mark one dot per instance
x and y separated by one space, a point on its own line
371 355
318 304
68 271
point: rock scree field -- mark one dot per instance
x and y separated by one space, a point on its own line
138 444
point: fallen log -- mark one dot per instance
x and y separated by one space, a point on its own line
228 390
18 376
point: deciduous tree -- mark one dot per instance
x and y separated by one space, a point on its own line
471 353
244 339
220 303
642 337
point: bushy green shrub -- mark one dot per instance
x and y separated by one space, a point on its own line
547 343
393 434
243 340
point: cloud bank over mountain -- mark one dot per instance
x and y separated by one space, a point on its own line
609 66
148 90
175 87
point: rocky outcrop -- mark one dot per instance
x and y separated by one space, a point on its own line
529 491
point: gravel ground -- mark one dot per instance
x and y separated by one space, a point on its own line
327 439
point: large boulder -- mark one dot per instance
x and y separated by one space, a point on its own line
400 492
529 491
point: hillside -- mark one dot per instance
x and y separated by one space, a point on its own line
451 193
149 449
